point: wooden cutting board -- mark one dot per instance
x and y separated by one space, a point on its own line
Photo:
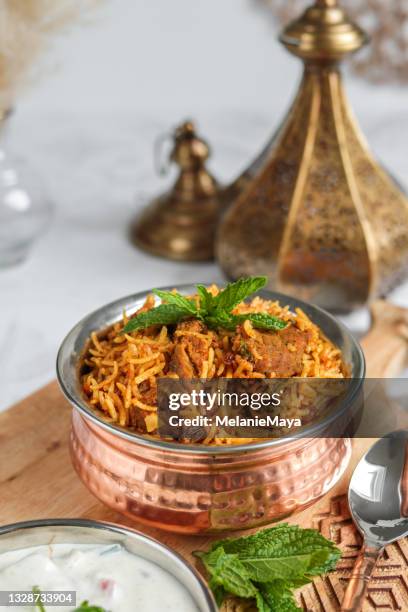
37 481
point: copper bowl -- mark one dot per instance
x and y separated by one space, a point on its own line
202 489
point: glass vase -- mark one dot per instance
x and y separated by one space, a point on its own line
25 209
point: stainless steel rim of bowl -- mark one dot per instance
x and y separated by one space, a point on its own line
69 353
174 560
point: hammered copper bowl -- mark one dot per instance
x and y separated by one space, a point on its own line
201 489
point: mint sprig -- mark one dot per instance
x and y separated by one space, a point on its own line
234 293
277 595
214 311
258 319
269 565
171 297
227 571
165 314
38 603
86 607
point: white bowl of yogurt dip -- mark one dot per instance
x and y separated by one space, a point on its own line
116 569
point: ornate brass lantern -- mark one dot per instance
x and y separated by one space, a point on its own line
180 224
316 212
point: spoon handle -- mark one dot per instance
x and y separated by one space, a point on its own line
357 587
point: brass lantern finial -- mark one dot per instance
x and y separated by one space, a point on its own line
180 224
316 212
323 32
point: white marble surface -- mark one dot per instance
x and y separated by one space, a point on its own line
89 129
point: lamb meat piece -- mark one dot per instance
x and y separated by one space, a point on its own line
193 325
229 358
190 351
270 351
149 393
180 362
136 417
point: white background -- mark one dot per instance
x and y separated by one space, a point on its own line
109 89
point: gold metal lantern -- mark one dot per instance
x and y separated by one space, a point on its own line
316 213
180 224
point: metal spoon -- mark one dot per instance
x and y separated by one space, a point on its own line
378 500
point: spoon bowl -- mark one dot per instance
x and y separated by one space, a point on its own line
378 500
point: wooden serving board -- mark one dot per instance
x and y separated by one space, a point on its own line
38 481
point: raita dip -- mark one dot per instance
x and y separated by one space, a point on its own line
105 575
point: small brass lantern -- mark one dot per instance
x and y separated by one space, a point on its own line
181 223
316 212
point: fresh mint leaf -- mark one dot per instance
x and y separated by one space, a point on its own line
285 552
267 566
86 607
262 604
38 604
169 297
235 293
165 314
221 319
218 591
258 320
227 571
206 300
278 595
262 320
214 311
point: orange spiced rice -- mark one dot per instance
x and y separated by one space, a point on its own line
119 372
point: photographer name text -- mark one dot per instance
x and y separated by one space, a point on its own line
233 421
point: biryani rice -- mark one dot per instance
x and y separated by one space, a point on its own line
119 372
